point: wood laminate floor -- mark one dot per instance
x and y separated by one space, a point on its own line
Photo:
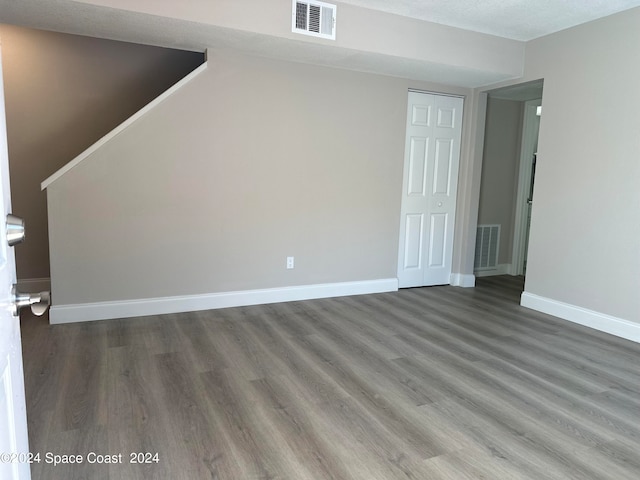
429 383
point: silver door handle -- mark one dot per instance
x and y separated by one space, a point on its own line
15 230
39 302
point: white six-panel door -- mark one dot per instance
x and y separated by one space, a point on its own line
431 159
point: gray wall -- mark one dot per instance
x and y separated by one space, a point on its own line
585 228
250 162
503 131
63 92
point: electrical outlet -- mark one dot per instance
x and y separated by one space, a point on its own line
290 262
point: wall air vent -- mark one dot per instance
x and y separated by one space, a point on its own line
487 247
317 19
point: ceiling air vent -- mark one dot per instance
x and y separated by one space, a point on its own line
313 18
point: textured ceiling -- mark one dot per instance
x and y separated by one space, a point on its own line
515 19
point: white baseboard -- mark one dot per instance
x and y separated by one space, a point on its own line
502 269
189 303
31 285
588 318
463 280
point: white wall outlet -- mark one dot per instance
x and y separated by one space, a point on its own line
290 262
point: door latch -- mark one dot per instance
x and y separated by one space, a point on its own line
39 302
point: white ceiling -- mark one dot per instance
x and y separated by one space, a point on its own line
516 19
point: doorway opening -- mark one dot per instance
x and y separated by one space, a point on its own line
507 179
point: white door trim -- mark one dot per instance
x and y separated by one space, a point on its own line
528 148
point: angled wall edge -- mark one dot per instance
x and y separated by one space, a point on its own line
124 125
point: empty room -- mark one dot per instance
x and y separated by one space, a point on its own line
320 240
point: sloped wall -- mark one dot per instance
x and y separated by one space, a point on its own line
253 161
63 92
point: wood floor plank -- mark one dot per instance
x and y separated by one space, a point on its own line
589 410
508 345
562 438
78 441
184 403
396 412
502 389
507 444
471 464
42 355
310 434
437 383
257 445
196 331
294 363
137 420
82 392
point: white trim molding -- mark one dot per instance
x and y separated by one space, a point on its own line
34 284
463 280
530 128
589 318
190 303
501 269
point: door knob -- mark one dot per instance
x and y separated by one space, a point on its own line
15 230
39 302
